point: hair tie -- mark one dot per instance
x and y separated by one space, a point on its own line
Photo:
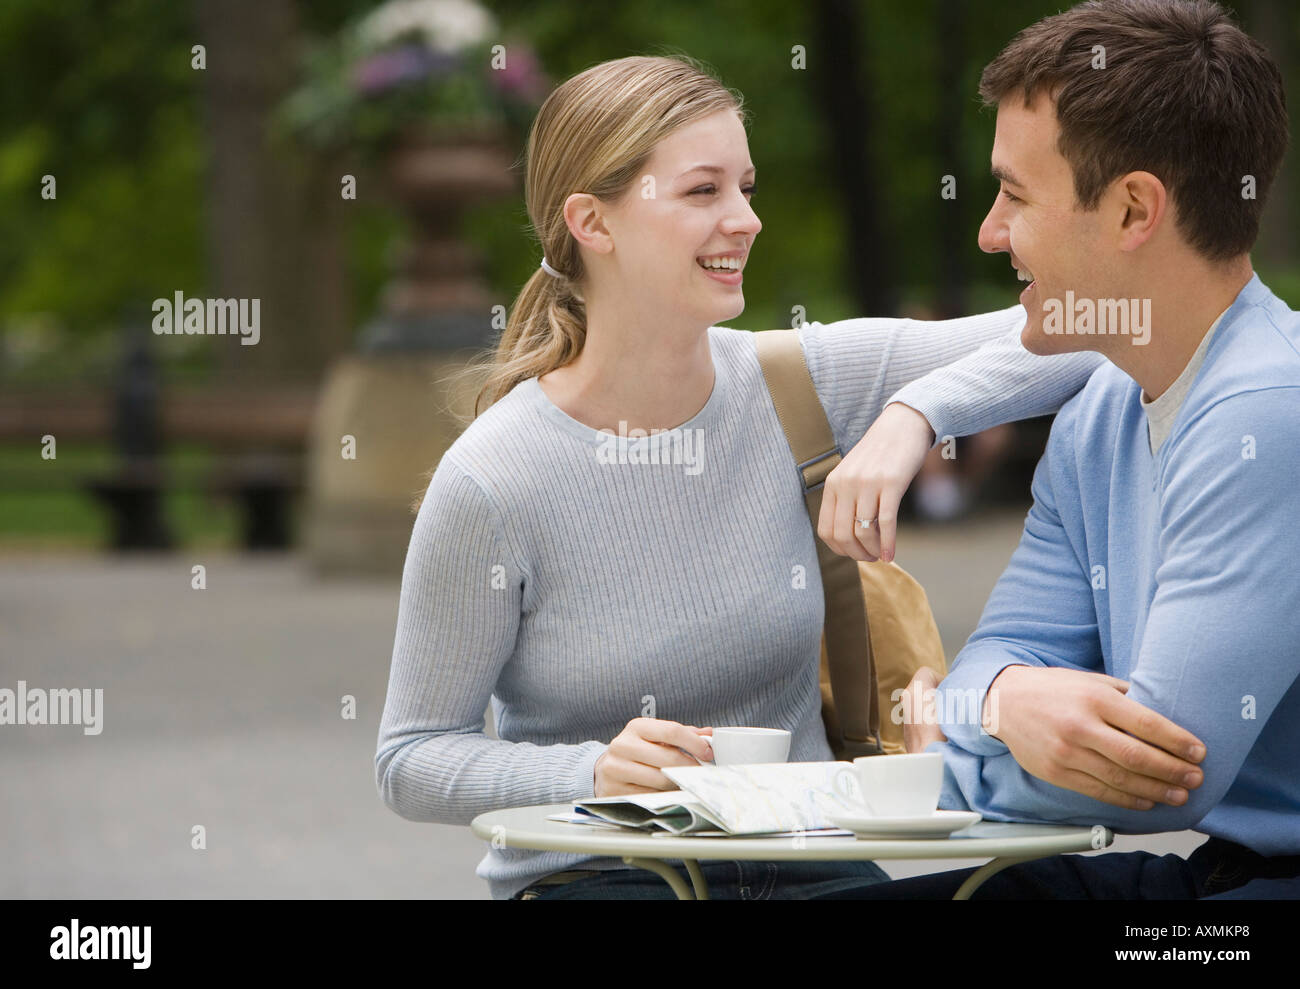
548 269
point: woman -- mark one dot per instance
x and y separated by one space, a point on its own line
613 593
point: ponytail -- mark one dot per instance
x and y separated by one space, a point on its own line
546 329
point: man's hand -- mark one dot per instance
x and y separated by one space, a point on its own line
869 484
917 734
1077 730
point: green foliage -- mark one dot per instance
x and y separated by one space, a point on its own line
102 96
104 101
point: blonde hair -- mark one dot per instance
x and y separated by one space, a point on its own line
593 134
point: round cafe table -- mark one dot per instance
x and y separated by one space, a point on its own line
1004 844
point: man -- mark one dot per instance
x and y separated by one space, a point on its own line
1137 662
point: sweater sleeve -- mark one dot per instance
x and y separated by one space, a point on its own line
964 375
1217 653
1041 611
458 615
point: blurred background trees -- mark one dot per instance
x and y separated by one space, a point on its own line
173 178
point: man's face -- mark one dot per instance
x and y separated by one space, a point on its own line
1036 220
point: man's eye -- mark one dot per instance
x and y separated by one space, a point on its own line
1010 198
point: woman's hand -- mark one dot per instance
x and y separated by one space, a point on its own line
917 734
869 484
634 760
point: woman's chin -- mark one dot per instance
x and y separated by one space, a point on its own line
722 313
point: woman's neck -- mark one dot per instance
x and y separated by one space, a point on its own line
643 378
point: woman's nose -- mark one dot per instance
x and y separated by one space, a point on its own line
743 219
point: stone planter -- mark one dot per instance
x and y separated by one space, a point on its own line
400 397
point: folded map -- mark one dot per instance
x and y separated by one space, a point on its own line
763 799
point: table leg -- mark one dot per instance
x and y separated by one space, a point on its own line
697 879
987 870
667 873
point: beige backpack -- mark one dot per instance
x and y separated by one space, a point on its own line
879 629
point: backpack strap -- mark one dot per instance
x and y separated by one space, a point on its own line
847 641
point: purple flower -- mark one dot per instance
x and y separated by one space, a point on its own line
389 69
522 77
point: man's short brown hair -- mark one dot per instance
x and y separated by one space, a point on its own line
1171 87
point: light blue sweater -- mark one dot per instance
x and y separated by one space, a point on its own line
576 594
1179 573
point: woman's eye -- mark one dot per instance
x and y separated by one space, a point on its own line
748 190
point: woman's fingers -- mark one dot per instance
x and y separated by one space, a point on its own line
891 496
849 535
621 772
671 733
868 536
656 755
841 541
836 522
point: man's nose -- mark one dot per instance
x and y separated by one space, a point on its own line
994 236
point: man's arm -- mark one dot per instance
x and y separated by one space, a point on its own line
1218 649
965 374
1041 612
914 383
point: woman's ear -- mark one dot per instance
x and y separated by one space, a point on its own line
584 214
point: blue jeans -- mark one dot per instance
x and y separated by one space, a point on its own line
726 880
1216 870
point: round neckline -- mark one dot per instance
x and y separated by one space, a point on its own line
580 429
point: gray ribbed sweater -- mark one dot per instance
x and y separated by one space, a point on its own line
574 593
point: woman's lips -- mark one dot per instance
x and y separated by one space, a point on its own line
726 277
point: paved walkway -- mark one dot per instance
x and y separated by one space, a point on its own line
222 710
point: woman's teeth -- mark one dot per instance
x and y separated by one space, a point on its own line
1023 275
720 264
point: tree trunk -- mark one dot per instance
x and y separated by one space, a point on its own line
952 234
1274 23
274 227
835 65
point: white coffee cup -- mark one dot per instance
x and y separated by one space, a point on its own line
893 785
739 746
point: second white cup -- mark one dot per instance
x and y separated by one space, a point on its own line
893 785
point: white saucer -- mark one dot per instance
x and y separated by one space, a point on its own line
940 824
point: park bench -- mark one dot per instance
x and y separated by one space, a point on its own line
258 434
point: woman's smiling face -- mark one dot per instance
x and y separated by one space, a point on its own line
683 231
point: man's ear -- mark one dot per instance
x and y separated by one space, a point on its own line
584 215
1141 203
